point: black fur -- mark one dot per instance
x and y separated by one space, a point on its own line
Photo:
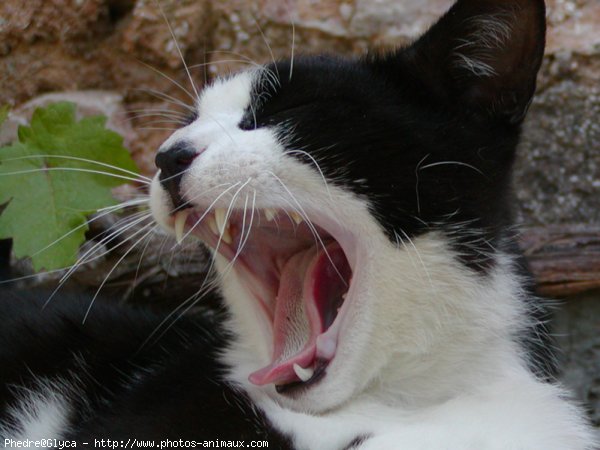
171 388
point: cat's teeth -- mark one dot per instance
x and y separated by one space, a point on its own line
304 374
222 227
226 235
212 224
180 220
220 219
270 214
297 218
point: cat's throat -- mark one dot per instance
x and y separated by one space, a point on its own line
312 289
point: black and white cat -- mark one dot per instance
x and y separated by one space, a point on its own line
359 212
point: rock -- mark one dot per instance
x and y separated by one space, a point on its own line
558 169
148 37
89 103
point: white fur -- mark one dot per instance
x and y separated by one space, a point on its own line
40 413
427 358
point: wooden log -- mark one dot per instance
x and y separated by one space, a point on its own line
564 259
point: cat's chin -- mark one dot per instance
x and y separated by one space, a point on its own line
298 270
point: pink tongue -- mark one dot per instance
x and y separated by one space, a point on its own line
307 281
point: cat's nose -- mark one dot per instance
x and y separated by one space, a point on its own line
173 163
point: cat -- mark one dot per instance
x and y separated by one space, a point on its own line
360 216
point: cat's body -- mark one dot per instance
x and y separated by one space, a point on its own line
359 212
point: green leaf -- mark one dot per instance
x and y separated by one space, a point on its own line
53 178
4 113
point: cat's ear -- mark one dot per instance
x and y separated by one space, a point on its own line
484 54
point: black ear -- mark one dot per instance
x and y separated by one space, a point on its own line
484 54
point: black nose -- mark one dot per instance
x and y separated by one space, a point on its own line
173 162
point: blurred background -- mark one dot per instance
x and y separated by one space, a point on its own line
118 58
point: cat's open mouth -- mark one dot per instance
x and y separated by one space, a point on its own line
299 275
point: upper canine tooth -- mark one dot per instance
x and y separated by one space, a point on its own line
212 224
180 220
270 214
220 219
304 374
297 218
226 235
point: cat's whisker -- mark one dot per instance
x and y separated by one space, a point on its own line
200 195
223 228
113 269
418 254
154 110
140 115
135 281
318 167
399 242
166 98
209 209
129 223
455 163
105 211
206 285
221 61
252 211
176 118
220 125
157 129
84 258
227 216
260 30
156 333
192 300
240 55
102 214
187 70
243 230
293 51
126 204
309 223
175 122
75 158
75 169
176 83
271 75
417 169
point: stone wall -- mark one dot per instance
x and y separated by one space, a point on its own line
126 47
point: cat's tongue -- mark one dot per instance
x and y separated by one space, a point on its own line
311 290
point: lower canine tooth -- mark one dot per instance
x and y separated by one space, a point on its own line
304 374
180 220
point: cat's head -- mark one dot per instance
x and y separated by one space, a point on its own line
355 206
